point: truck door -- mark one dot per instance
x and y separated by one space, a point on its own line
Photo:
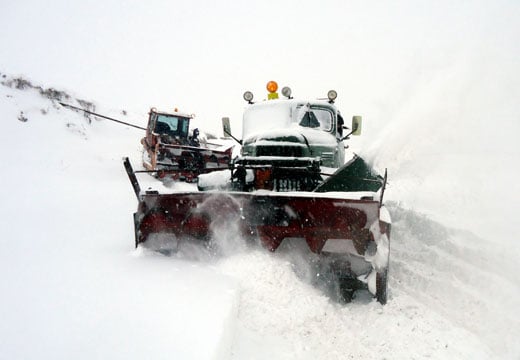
150 138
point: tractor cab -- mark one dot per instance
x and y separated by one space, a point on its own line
173 150
168 128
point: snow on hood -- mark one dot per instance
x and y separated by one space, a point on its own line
292 134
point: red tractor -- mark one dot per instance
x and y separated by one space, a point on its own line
172 150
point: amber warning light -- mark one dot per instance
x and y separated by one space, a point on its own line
272 86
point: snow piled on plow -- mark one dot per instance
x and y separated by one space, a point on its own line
74 287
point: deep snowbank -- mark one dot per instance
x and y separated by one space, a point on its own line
74 287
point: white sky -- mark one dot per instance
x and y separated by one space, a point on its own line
201 56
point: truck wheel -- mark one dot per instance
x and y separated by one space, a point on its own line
347 288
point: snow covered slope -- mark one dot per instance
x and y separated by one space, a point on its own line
74 287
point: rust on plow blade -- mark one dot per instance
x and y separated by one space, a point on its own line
348 230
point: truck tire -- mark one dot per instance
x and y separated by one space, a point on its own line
347 288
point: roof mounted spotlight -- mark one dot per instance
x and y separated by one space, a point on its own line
332 95
286 91
248 96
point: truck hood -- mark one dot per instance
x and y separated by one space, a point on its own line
292 136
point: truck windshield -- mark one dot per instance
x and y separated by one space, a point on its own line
314 117
172 125
266 116
283 114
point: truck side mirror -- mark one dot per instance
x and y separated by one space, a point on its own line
356 125
226 127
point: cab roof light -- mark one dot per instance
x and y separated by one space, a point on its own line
248 96
286 91
332 95
272 86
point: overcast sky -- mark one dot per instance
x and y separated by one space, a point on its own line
200 56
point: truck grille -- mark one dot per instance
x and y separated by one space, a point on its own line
289 151
294 184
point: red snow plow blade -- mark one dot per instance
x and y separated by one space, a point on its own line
271 218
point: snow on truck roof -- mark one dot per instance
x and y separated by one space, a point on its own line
291 103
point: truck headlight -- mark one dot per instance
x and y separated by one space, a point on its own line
286 91
248 96
332 95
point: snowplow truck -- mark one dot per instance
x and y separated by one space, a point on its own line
293 181
172 151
